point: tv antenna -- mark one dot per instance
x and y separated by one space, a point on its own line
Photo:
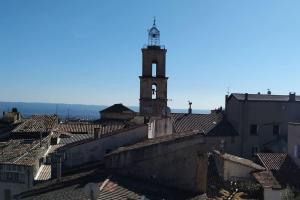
227 90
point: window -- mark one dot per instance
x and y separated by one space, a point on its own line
154 69
275 129
253 129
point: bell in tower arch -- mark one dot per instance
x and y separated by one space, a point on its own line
153 35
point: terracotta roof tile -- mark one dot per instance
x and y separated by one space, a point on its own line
22 152
44 173
213 124
272 161
109 187
266 179
189 125
37 124
88 128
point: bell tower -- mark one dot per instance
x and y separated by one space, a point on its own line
153 82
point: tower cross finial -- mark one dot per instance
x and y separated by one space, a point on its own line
154 20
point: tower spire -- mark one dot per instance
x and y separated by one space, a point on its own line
153 35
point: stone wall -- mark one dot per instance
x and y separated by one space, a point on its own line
96 149
180 163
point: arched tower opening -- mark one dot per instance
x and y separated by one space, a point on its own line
154 68
154 92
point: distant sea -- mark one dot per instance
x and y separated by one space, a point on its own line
76 111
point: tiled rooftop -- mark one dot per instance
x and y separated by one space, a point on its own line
117 108
90 139
21 152
189 125
213 124
266 179
109 187
44 173
83 127
37 124
70 138
282 166
272 161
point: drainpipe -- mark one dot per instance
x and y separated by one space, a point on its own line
58 168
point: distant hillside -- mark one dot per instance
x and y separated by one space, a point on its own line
66 110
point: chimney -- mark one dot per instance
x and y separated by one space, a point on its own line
96 133
226 100
246 96
190 107
269 92
222 146
292 96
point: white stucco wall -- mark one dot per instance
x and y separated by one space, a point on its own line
160 127
270 194
233 171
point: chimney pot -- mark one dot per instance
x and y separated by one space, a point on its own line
190 107
246 96
292 96
96 133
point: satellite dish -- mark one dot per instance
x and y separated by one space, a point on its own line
92 190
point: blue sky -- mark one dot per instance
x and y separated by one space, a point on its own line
88 51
